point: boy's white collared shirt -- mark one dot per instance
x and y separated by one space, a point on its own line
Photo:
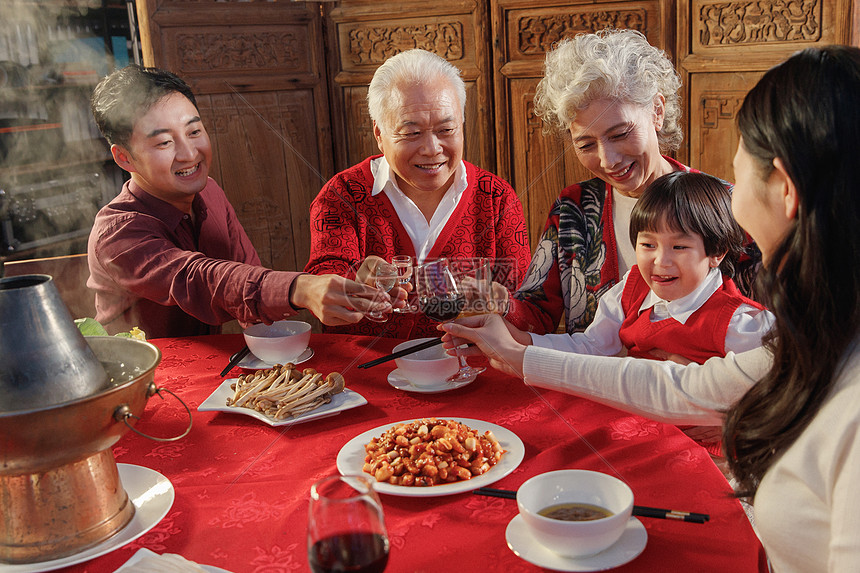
682 308
422 233
746 328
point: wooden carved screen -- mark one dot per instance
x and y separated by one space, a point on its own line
725 47
364 34
268 94
538 165
258 71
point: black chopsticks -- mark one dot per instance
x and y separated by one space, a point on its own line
638 510
404 352
235 360
670 514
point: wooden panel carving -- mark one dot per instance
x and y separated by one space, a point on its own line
204 51
372 45
364 38
535 34
252 123
715 99
359 128
751 22
543 164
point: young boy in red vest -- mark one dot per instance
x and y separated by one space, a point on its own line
679 298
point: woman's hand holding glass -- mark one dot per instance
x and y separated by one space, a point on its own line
492 336
441 298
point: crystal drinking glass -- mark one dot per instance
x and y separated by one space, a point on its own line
403 263
442 295
346 526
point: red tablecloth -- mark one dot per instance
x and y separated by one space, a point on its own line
242 486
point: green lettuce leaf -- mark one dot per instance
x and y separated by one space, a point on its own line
90 327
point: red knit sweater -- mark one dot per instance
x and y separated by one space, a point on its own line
348 224
702 336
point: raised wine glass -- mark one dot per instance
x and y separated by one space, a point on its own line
383 276
403 263
346 527
474 278
441 298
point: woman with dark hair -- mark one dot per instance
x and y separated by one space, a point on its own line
790 409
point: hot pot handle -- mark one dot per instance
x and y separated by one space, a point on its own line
123 413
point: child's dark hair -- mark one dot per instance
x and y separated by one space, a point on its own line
124 96
693 203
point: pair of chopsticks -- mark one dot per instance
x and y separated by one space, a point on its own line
404 352
638 510
235 359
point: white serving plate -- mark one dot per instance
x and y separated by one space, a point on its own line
217 402
152 495
521 541
350 460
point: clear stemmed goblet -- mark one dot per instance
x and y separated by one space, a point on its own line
346 527
383 276
474 277
403 263
441 298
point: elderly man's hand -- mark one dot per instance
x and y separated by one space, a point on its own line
336 300
494 337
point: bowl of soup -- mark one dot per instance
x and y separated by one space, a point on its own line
575 513
280 342
429 367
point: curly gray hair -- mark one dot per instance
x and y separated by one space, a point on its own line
610 63
410 67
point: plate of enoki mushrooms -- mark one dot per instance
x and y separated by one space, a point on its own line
284 395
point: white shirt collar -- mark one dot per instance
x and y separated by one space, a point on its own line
682 308
383 177
422 233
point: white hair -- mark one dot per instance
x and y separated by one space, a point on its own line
416 67
610 63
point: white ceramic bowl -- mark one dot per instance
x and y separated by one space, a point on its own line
428 367
575 538
280 342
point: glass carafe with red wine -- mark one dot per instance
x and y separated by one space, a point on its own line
346 527
442 296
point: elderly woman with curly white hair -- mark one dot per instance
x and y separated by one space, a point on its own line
617 97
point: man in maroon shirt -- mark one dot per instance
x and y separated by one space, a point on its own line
168 254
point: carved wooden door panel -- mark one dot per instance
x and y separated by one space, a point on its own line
725 47
538 165
258 71
364 33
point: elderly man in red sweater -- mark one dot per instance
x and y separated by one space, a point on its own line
419 198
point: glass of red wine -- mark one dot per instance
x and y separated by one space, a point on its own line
346 528
440 297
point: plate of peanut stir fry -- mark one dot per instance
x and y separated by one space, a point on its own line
284 395
430 457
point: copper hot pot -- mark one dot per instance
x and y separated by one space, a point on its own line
60 491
